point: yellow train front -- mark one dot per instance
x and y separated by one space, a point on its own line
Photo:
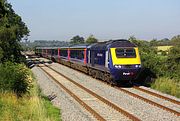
124 61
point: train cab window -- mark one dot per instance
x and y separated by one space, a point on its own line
125 53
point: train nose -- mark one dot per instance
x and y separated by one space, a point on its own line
124 74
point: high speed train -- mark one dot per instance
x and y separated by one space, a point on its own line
112 61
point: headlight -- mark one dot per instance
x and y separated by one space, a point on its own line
118 66
137 66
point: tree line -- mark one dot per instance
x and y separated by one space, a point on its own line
55 43
79 40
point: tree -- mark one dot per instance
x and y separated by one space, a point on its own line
1 54
91 39
132 38
153 42
139 43
173 62
176 40
77 40
163 42
12 30
2 9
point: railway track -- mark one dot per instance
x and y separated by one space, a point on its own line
144 99
151 93
99 107
161 106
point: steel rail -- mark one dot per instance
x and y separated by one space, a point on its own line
88 108
127 114
139 97
142 98
157 95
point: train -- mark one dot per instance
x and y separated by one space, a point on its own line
112 61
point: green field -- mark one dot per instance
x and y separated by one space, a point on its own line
164 48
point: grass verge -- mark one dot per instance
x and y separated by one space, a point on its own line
31 107
167 85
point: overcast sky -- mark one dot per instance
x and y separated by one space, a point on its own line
105 19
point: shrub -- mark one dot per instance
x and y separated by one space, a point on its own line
173 62
31 107
15 77
151 60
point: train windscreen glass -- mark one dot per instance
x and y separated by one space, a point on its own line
125 53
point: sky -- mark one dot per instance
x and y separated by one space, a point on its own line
105 19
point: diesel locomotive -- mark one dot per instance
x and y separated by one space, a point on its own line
112 61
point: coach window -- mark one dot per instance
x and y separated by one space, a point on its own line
56 52
52 51
64 53
73 54
81 54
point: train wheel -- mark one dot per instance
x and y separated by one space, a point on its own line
103 77
96 74
107 78
93 74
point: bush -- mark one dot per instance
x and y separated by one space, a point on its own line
31 107
173 63
151 60
15 77
154 62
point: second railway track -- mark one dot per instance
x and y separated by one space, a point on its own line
157 95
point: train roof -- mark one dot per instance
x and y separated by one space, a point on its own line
85 45
51 47
98 46
47 47
112 44
121 43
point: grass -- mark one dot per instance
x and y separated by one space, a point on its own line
167 85
51 111
31 107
